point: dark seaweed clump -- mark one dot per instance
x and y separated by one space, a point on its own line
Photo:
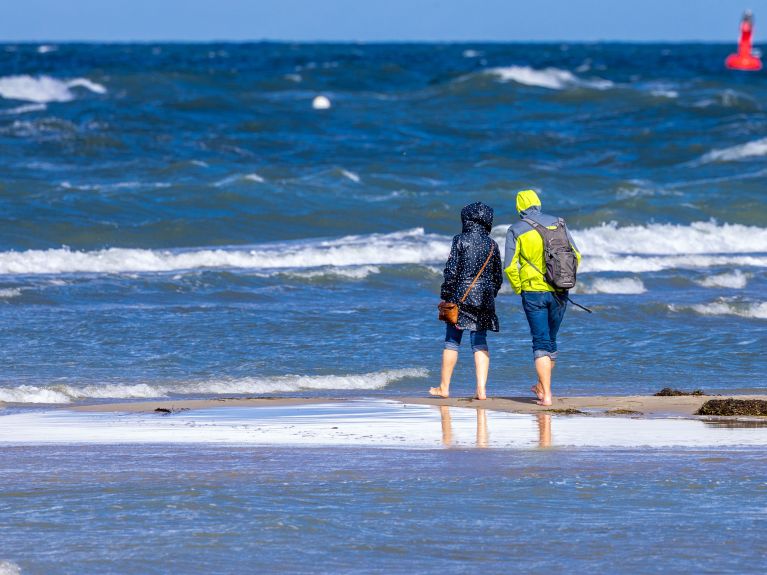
621 411
668 392
734 407
166 411
567 411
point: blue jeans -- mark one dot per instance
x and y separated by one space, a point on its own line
453 337
544 311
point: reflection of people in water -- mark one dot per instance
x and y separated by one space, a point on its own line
544 429
447 427
481 428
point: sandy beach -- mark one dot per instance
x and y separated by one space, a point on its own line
630 405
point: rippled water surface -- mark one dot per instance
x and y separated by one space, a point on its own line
180 219
232 510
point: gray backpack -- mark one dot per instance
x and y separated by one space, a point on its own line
558 255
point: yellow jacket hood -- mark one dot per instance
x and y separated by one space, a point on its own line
527 199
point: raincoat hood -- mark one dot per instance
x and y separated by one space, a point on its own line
527 200
477 216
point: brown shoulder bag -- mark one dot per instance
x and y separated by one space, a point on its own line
448 312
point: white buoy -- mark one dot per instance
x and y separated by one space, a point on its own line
321 103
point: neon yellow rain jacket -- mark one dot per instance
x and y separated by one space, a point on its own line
523 239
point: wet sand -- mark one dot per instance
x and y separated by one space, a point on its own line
648 405
631 405
186 404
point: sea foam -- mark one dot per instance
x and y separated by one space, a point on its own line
551 78
59 394
613 286
8 568
606 248
734 280
44 89
723 306
751 149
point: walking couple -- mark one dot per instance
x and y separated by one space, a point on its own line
474 275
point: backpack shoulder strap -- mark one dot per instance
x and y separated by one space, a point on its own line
536 226
541 232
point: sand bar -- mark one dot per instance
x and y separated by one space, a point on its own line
185 404
372 423
646 405
649 405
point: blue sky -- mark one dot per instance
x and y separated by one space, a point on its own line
377 20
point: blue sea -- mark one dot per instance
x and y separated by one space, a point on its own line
269 219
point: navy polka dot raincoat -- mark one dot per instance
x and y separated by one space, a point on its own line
467 254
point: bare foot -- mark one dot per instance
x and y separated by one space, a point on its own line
537 391
437 392
544 401
480 396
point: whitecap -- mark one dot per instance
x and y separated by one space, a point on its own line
751 310
351 176
551 78
613 286
349 272
409 246
8 293
751 149
471 53
25 109
60 394
9 568
609 247
734 280
44 89
252 177
665 93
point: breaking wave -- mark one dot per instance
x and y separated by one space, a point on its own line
409 246
45 89
551 78
8 568
656 247
613 286
7 293
247 385
606 248
734 280
753 310
748 150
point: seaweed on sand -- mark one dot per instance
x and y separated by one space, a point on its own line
732 406
565 411
668 392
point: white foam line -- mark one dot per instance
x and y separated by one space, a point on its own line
608 247
60 393
368 423
44 89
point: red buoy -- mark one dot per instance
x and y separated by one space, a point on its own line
744 59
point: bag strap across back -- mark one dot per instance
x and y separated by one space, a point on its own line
484 265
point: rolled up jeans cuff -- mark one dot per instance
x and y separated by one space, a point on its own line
543 353
480 347
452 345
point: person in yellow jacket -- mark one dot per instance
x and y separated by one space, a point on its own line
544 308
